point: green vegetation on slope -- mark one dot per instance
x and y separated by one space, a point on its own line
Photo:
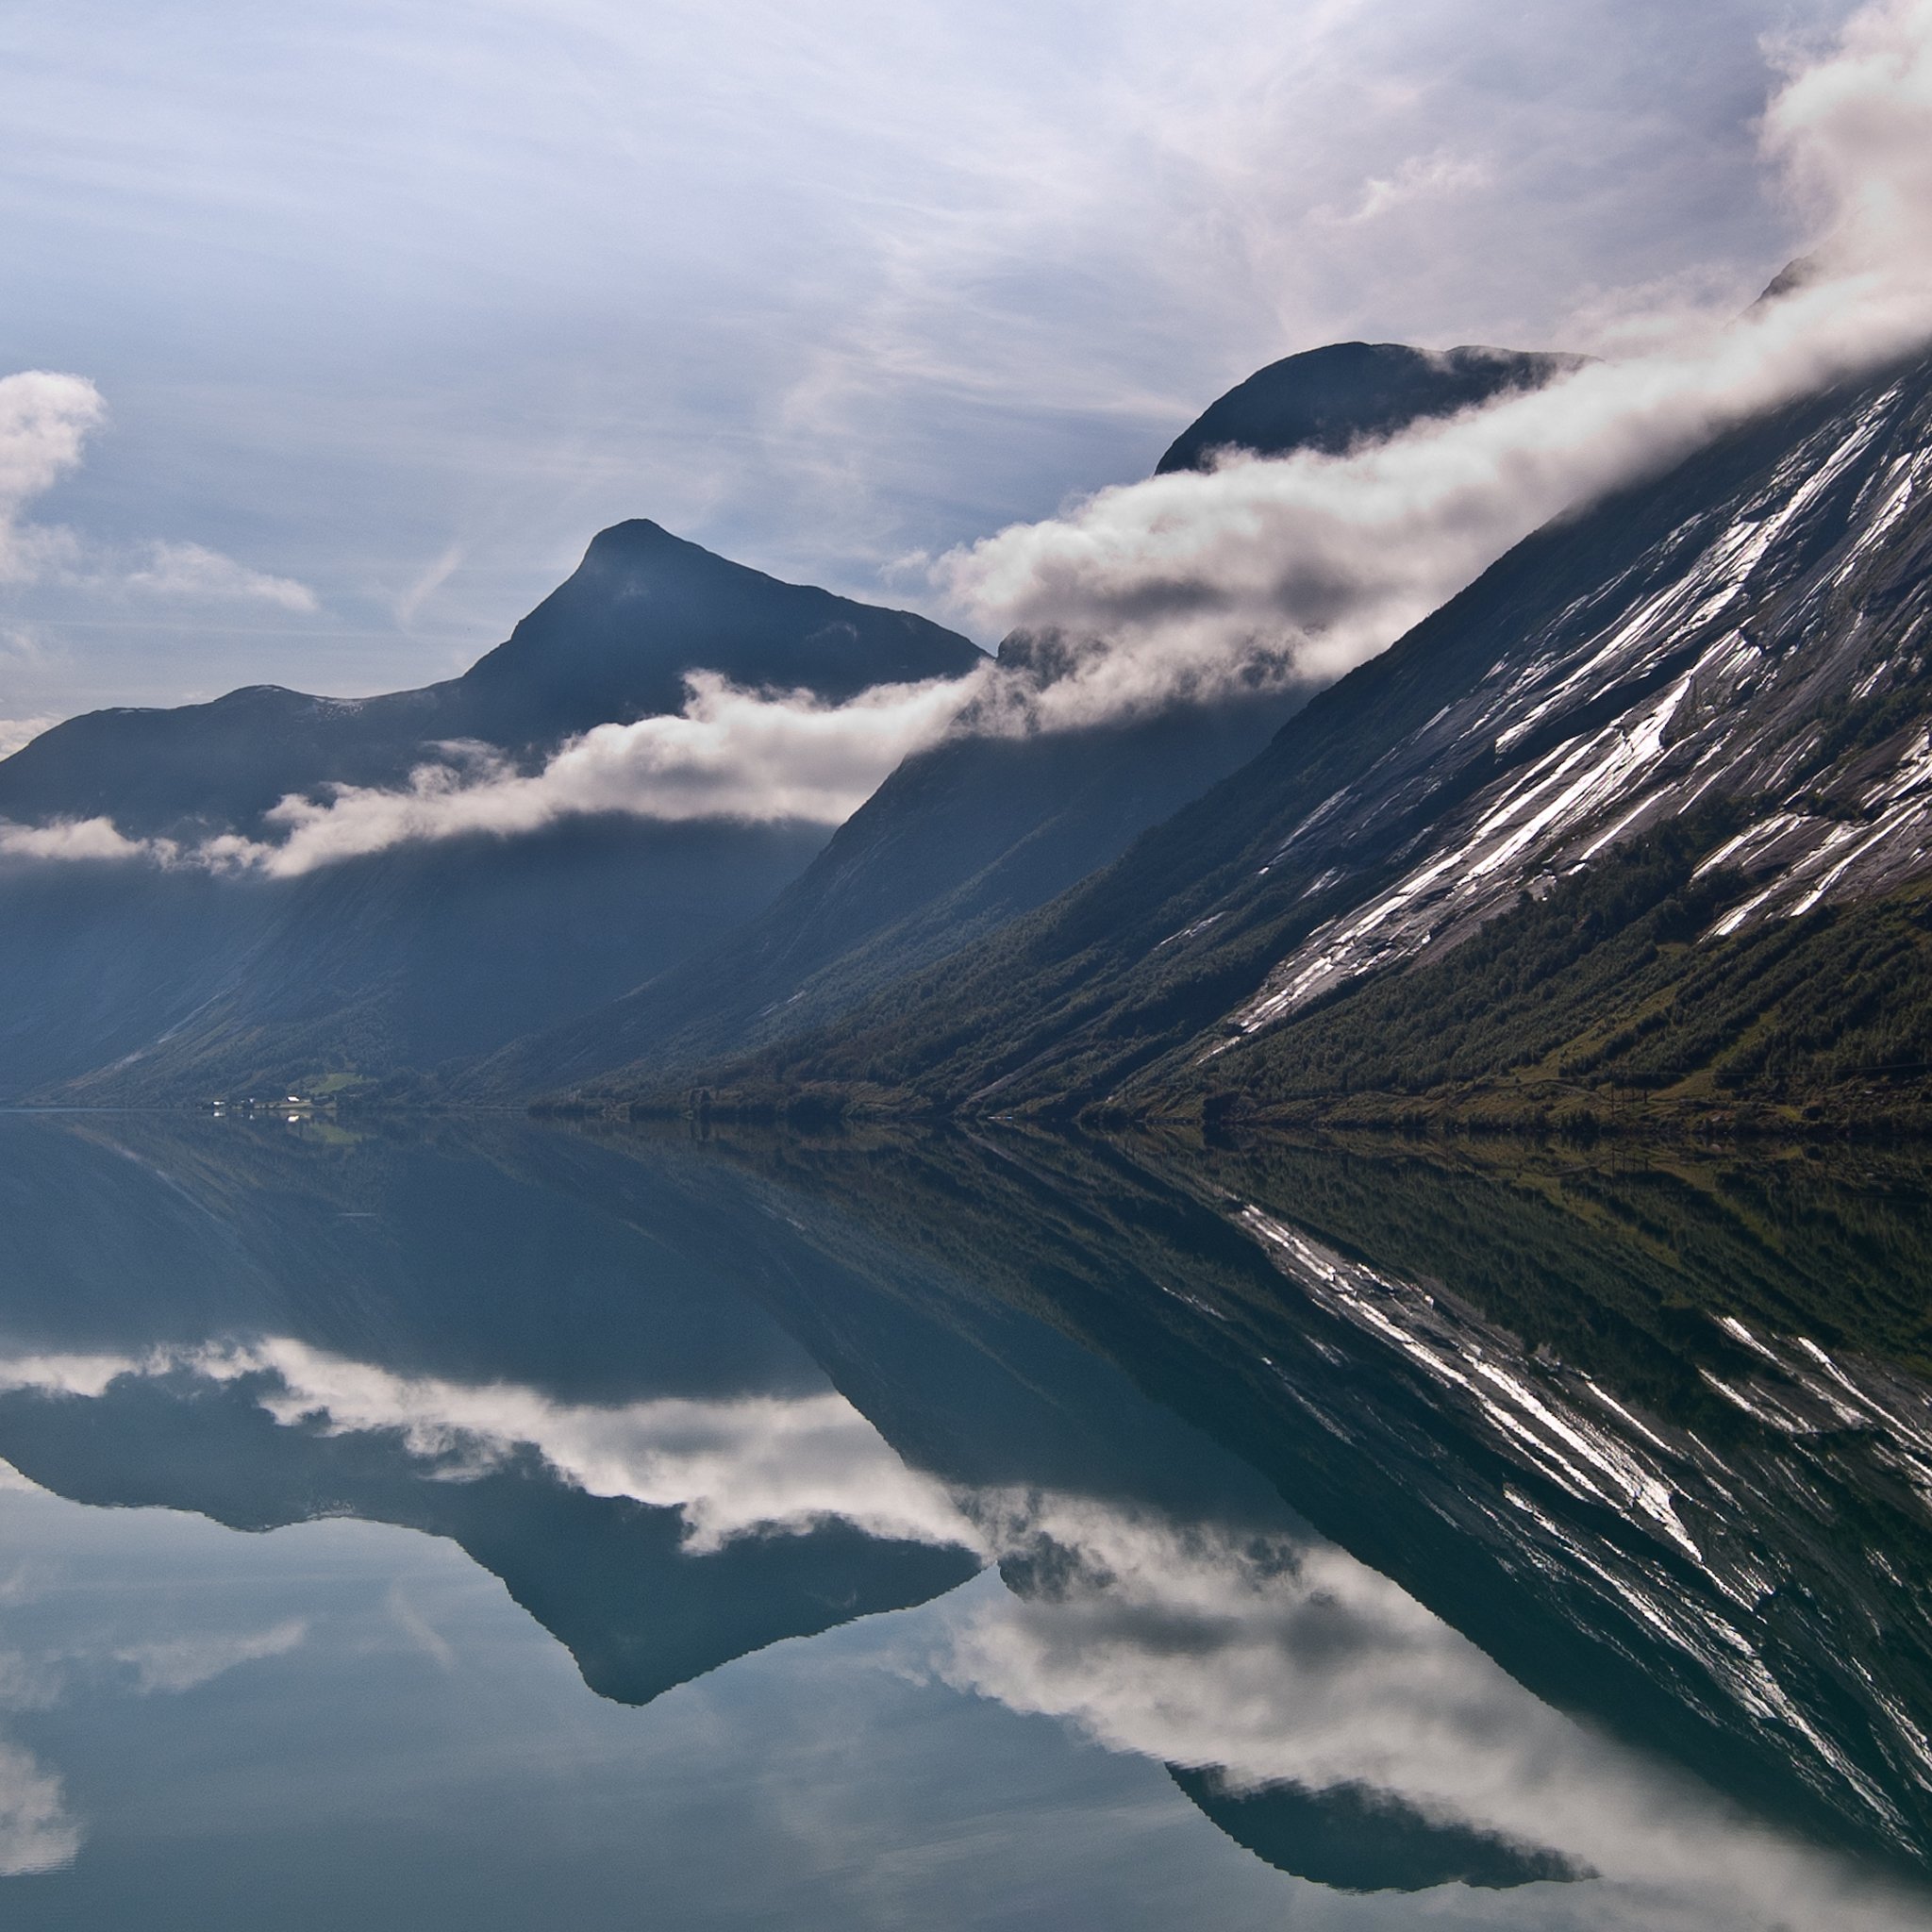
1601 1000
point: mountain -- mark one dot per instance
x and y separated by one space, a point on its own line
126 981
1328 399
977 830
611 644
1642 809
959 839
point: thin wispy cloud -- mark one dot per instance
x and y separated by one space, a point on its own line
192 570
170 1665
38 1832
46 422
1437 176
1261 574
1309 564
818 285
45 419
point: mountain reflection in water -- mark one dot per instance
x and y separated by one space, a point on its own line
1553 1529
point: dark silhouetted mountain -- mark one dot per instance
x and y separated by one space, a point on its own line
645 608
1744 636
140 983
959 839
976 830
1353 1838
1349 393
611 644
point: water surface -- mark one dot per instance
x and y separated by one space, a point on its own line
490 1525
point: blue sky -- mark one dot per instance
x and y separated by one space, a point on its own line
391 308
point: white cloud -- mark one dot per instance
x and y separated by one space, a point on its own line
1851 132
193 571
15 732
732 1468
730 754
36 1833
1301 568
158 1666
753 1465
65 1375
1423 177
87 841
174 1664
45 419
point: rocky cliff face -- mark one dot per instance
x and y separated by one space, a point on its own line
1771 650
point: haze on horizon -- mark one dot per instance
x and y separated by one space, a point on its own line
389 310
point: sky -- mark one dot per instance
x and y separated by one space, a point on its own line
378 313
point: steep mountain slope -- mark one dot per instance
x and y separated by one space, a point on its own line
119 981
961 838
1750 629
375 970
976 831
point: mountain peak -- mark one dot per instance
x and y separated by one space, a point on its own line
1325 399
645 608
639 537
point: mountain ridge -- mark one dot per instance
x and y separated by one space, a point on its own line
125 981
611 643
976 831
1333 398
1400 810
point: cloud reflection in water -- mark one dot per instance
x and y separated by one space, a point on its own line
1268 1658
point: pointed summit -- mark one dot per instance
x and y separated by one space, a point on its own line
645 608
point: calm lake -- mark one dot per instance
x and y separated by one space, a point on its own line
487 1525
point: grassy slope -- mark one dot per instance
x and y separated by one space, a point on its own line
1600 1004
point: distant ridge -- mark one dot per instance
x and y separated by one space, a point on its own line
123 982
611 643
